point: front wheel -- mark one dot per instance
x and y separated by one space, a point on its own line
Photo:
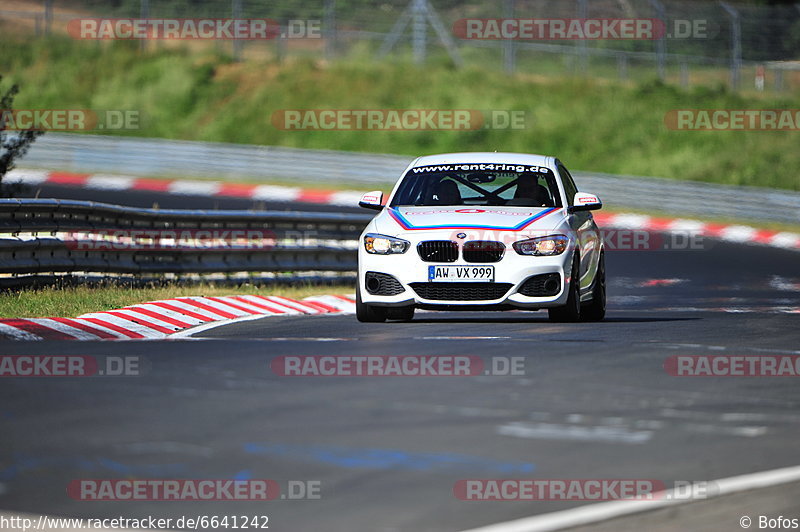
595 310
570 312
367 313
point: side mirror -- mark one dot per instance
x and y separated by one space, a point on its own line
585 202
372 200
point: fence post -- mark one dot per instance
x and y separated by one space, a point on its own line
583 12
419 31
417 12
280 43
236 13
48 16
661 42
330 29
736 44
684 73
622 66
144 12
509 46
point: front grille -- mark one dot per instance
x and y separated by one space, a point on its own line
461 291
382 284
547 284
483 251
438 251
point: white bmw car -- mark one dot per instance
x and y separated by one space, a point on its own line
482 231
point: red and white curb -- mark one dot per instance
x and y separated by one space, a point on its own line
223 189
742 234
161 319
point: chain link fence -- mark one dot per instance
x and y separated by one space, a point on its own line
743 46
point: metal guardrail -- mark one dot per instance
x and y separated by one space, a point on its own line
115 155
76 236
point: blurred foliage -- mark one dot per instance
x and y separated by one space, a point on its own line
590 124
13 144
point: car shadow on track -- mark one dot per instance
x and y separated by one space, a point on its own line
543 319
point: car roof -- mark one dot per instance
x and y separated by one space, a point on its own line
484 157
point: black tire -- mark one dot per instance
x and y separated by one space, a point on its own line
595 310
368 313
571 312
400 313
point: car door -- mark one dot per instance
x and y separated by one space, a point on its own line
583 224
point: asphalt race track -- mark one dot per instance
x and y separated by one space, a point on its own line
594 402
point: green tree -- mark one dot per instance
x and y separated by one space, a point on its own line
13 145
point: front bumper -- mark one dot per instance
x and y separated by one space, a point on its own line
514 269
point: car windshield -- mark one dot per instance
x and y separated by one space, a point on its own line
478 184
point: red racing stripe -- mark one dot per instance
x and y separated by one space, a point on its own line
113 327
321 306
162 317
180 310
233 305
310 195
82 326
140 321
39 330
286 302
67 178
205 307
236 190
259 305
158 185
764 237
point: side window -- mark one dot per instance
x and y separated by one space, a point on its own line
569 185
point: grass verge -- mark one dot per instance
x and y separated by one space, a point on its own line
592 125
70 302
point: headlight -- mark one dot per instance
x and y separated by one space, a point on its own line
545 245
384 245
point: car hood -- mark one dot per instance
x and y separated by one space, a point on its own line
410 220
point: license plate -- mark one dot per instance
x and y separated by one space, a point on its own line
461 273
